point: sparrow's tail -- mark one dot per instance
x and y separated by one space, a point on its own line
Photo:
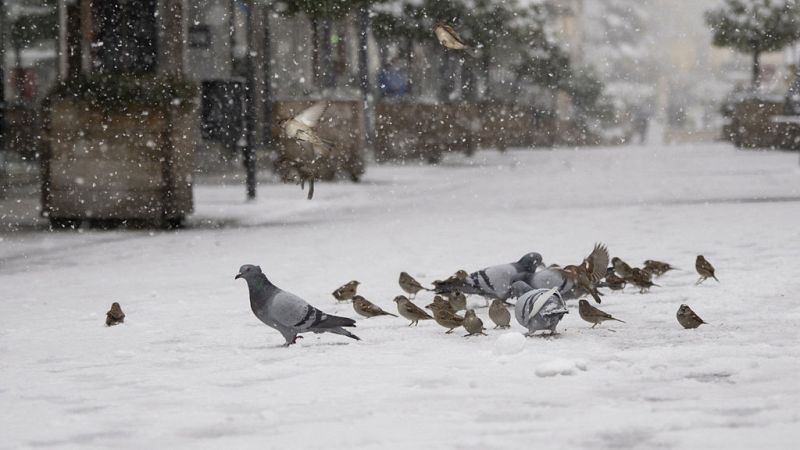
388 314
614 318
715 277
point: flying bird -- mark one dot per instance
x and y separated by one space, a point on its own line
593 315
368 309
705 269
448 37
587 274
410 311
300 128
287 313
688 318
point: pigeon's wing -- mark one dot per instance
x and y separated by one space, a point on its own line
293 312
597 262
311 115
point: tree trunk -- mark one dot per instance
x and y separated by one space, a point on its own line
756 70
326 65
486 67
315 50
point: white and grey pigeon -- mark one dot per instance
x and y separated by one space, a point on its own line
538 309
286 312
552 277
494 281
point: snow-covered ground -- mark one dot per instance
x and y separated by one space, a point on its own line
192 366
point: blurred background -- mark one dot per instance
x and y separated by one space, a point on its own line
125 105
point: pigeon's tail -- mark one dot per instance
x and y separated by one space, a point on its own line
335 322
343 332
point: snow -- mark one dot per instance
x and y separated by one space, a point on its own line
191 366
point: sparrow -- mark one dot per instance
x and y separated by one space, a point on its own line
457 300
705 269
438 300
498 312
473 324
593 315
115 316
459 276
590 271
657 268
410 311
688 319
622 268
409 285
444 317
301 129
641 279
346 292
367 308
614 282
448 37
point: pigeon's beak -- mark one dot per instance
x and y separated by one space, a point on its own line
238 275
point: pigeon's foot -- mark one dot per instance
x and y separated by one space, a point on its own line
294 341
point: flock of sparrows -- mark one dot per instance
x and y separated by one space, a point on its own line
535 309
300 128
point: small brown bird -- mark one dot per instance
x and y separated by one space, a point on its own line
367 308
438 300
593 315
587 274
448 37
641 279
473 324
498 312
115 316
460 275
657 268
410 311
705 269
614 282
444 317
688 318
622 268
346 292
409 285
458 301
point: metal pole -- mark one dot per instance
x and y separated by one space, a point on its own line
248 151
3 168
363 73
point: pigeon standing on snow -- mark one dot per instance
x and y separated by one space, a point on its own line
473 324
368 309
410 311
688 318
498 312
286 312
704 268
574 280
593 315
346 292
115 316
494 281
538 309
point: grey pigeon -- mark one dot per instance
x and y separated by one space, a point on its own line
494 282
552 277
286 312
538 309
